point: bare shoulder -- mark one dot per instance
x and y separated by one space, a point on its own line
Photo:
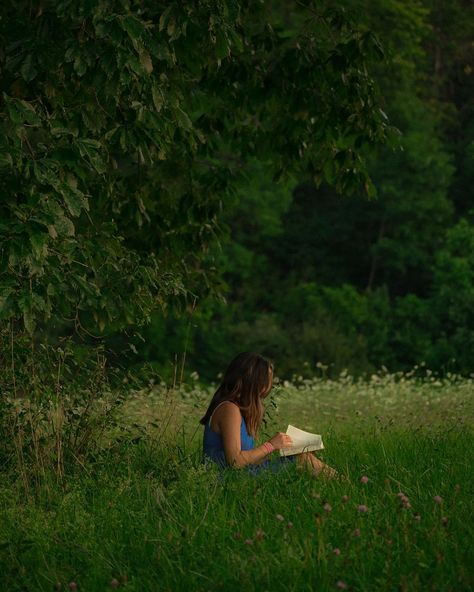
227 414
228 410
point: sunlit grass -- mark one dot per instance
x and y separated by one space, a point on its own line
148 516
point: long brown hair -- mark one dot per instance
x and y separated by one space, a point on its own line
246 381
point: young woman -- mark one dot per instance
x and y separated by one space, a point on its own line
234 416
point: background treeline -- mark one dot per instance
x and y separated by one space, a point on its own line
182 181
322 281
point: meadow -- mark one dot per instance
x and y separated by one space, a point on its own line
144 515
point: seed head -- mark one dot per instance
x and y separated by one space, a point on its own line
336 551
362 508
356 532
438 499
327 507
345 499
114 583
364 479
341 585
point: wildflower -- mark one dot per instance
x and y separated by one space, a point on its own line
444 521
114 583
248 541
72 586
289 525
438 499
279 517
362 508
345 498
389 542
336 551
404 501
327 507
315 495
237 536
341 585
364 479
259 535
356 532
417 517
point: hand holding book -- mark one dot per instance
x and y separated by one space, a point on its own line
301 442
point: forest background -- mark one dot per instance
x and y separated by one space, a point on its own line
322 281
296 181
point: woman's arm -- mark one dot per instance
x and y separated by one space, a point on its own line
229 425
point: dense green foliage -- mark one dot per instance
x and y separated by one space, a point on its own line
124 130
314 277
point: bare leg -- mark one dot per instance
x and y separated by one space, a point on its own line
316 467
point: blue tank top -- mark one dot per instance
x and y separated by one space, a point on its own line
213 447
213 450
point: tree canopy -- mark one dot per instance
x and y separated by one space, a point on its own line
125 126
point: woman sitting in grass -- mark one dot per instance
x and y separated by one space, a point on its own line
234 416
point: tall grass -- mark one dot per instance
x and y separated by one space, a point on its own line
142 513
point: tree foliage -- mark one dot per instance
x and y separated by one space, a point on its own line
124 127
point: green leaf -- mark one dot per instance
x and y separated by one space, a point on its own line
222 46
21 111
133 27
145 61
183 119
28 70
39 243
158 99
164 17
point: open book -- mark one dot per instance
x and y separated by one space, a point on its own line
302 442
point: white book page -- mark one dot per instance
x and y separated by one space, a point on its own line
302 442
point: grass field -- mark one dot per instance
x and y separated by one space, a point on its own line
146 516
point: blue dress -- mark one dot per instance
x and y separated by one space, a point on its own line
213 451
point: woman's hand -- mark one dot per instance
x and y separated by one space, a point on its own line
281 440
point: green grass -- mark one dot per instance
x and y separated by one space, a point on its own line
150 514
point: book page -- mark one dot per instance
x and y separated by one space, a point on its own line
302 442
